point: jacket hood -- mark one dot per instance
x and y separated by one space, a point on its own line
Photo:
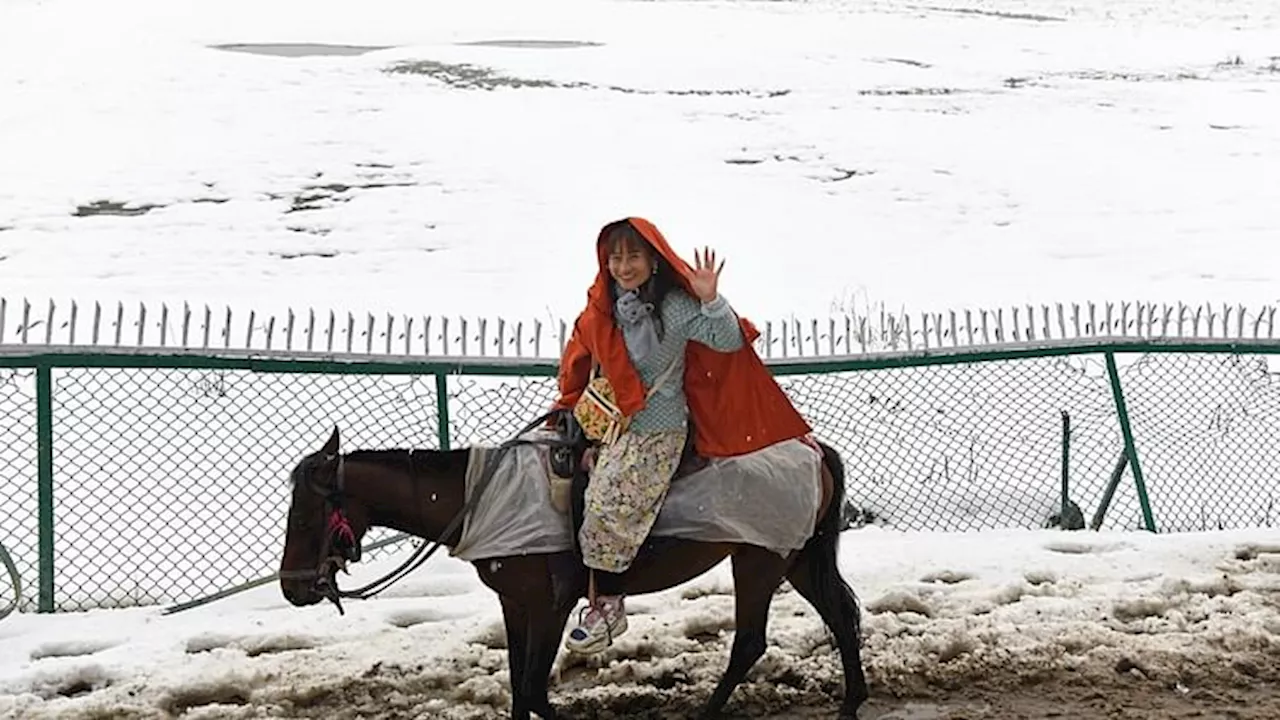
598 295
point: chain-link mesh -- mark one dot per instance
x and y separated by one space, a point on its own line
172 484
1207 433
19 523
958 447
489 410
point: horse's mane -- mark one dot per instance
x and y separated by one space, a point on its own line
418 459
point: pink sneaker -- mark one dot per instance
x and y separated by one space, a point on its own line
602 623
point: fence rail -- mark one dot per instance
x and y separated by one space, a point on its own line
871 331
141 475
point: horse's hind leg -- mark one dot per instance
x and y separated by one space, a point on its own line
817 579
757 573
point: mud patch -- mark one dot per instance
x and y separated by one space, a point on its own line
471 77
320 254
1056 701
475 77
914 91
1252 551
76 688
113 208
321 231
842 174
903 61
993 14
829 174
70 682
179 701
473 687
320 197
702 93
1121 76
957 676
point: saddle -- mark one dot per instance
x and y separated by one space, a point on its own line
565 460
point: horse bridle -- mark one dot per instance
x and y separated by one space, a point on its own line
340 546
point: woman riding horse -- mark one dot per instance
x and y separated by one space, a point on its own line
656 349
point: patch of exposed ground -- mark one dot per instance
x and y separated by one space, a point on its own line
475 77
113 207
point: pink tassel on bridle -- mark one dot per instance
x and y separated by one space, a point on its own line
340 527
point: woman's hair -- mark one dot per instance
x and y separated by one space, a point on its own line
622 235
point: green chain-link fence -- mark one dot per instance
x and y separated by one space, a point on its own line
169 474
969 446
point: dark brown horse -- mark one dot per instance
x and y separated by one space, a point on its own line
336 498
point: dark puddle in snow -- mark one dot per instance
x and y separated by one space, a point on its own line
295 50
299 49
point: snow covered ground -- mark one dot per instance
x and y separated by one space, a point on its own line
1177 613
927 156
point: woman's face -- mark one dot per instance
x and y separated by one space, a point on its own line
630 265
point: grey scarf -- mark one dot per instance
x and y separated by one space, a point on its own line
639 329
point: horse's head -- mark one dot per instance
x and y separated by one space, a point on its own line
324 528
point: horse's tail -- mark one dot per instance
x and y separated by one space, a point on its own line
820 552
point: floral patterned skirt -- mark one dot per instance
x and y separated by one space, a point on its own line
629 482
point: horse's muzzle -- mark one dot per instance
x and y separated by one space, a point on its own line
308 587
300 593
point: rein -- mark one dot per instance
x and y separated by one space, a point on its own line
340 536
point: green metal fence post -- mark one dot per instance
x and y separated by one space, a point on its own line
44 483
442 410
1066 465
1113 482
1129 448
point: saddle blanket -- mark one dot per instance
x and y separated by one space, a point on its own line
768 498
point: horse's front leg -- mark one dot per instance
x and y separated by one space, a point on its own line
546 630
516 621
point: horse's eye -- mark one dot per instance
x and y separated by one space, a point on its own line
302 521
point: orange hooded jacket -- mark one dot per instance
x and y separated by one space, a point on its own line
735 404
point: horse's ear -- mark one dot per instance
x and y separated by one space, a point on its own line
331 447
